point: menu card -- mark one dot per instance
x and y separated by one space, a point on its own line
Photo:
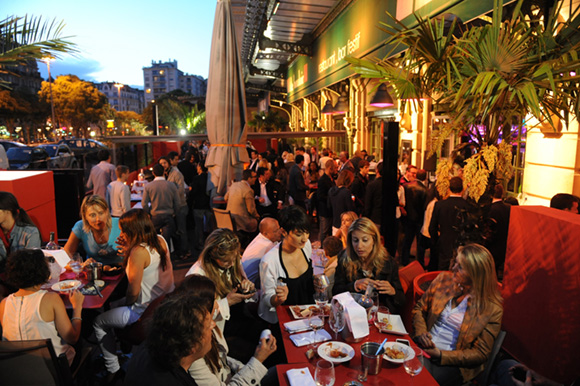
356 315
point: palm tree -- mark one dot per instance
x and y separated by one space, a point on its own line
31 38
489 79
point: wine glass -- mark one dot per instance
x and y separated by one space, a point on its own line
381 318
76 264
337 320
316 322
321 299
414 365
324 373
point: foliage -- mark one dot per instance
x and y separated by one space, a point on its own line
76 103
177 112
29 37
487 79
130 123
268 121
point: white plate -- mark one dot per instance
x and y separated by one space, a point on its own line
325 349
398 326
66 285
297 314
99 283
410 353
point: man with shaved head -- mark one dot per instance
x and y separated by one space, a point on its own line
270 234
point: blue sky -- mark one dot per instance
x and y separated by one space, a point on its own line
118 38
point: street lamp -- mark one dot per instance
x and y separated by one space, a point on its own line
47 60
119 87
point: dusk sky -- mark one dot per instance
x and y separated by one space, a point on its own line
118 38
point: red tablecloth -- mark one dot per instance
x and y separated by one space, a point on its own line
94 301
391 374
541 291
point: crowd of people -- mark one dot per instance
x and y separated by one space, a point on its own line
231 291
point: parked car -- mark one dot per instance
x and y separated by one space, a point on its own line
61 156
10 144
26 157
85 150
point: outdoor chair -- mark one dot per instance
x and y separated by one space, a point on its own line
223 219
33 362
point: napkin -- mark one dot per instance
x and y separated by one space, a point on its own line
356 316
298 325
308 338
300 377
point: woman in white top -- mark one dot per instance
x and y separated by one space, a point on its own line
32 313
150 275
220 261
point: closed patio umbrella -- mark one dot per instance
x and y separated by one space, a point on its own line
225 103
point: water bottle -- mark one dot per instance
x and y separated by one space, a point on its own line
52 245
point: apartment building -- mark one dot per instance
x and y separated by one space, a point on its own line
163 77
122 97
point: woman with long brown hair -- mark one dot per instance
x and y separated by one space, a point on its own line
365 263
220 261
459 316
17 230
150 275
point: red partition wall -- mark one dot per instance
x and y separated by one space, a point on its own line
541 291
35 194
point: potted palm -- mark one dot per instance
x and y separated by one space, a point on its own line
489 79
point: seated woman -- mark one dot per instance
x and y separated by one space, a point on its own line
16 229
217 368
150 275
365 261
97 232
346 218
33 313
286 274
458 318
220 262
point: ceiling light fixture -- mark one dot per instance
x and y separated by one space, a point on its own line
382 97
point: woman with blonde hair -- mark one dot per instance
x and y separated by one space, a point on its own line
220 261
97 232
346 219
459 316
366 262
149 273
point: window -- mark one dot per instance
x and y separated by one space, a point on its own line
376 139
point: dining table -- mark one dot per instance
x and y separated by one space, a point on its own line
93 301
391 373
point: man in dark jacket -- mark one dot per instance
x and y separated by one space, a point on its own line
499 215
296 186
447 217
415 197
359 185
374 197
325 182
266 202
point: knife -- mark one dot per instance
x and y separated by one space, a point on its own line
97 289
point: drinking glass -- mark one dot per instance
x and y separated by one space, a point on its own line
320 298
324 373
413 366
337 320
76 264
316 322
381 318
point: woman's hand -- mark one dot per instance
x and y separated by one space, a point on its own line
384 287
424 341
434 352
265 348
247 286
362 284
281 295
122 245
235 297
76 299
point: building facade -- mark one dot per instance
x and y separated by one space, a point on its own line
163 77
122 97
